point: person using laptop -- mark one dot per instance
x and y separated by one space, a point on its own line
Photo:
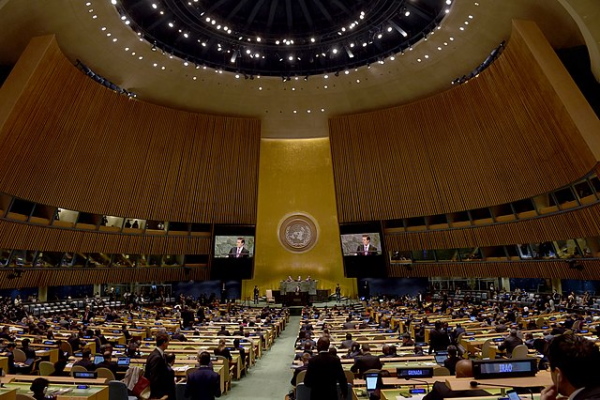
85 361
452 359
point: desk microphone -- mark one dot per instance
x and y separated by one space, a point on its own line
408 378
475 384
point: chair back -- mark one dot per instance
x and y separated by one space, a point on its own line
117 390
379 337
300 377
46 368
520 352
105 373
487 350
66 347
78 368
441 371
349 376
19 355
226 374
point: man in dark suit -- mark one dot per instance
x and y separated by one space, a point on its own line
366 249
510 342
239 251
574 363
204 383
365 362
156 368
87 315
323 373
438 338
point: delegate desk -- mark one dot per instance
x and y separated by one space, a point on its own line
8 394
60 380
64 392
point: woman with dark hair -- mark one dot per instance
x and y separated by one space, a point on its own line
39 387
223 351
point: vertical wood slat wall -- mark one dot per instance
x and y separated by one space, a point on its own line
17 235
87 276
501 137
72 143
531 269
581 223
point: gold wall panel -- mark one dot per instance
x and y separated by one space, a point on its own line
296 177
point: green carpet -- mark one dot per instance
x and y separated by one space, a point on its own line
270 377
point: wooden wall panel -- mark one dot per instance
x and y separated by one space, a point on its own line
86 276
73 143
21 236
524 269
581 223
501 137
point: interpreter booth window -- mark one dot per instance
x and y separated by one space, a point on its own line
155 260
512 252
401 256
178 227
567 248
156 225
22 258
42 214
64 215
49 259
110 221
583 246
470 254
98 260
423 255
5 257
136 260
525 251
173 260
67 260
583 189
565 195
595 183
447 255
21 207
132 223
121 261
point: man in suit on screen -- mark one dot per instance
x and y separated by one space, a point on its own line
239 251
366 249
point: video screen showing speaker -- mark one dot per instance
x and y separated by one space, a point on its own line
363 250
233 252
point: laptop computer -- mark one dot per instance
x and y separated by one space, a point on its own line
372 380
123 362
98 359
440 357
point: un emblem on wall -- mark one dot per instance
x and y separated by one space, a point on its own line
298 233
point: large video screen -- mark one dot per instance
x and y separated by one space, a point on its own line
235 247
361 244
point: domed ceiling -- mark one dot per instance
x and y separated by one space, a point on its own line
283 37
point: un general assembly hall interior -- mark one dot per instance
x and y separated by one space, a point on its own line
221 146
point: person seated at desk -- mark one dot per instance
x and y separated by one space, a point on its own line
204 383
85 361
11 357
5 334
418 351
366 361
108 363
179 336
574 364
223 351
407 341
240 331
305 358
354 351
223 331
452 359
347 344
59 368
510 342
392 351
39 386
240 348
29 352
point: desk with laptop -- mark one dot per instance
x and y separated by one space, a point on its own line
487 374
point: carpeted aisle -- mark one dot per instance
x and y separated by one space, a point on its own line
270 378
